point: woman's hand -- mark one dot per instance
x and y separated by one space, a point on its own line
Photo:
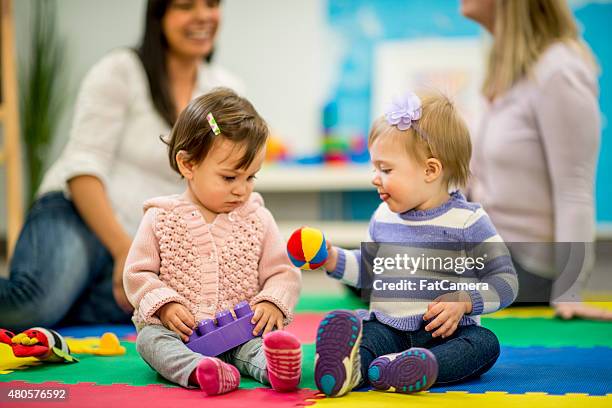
266 315
177 318
448 310
569 310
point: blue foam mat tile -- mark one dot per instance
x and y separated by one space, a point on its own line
121 330
556 371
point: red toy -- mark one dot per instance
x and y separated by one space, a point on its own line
45 344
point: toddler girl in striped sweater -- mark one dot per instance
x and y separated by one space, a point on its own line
208 249
434 263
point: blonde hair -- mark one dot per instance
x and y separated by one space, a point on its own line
440 133
523 29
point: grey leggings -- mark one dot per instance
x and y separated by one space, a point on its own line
166 353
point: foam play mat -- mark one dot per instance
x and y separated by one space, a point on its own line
544 362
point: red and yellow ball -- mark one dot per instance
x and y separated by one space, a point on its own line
307 248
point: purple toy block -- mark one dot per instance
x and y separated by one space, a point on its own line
211 340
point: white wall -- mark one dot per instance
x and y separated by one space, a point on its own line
90 29
275 46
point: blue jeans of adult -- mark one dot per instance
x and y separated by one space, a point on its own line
467 354
60 273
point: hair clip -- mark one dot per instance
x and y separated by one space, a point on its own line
213 124
403 111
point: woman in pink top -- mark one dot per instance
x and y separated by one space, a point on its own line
208 249
536 148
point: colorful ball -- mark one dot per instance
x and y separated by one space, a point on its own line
307 249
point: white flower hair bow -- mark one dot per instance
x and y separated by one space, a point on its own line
404 110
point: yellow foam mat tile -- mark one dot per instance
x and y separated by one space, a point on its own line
601 305
599 296
9 363
523 313
595 299
463 399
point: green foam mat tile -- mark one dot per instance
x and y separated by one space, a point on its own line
127 369
318 303
550 332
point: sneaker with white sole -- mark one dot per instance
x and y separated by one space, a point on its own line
337 367
413 370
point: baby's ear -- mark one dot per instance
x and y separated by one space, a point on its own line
433 169
185 165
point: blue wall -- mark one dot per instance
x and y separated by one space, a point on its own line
361 24
596 20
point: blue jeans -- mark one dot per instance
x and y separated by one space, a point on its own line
468 353
60 273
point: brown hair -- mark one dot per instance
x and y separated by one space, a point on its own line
440 133
522 32
236 117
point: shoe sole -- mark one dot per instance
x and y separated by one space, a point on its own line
338 339
412 371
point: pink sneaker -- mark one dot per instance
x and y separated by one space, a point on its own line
216 377
284 357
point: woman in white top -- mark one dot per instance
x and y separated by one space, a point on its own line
536 148
68 262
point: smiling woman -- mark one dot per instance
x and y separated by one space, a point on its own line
189 37
178 35
91 198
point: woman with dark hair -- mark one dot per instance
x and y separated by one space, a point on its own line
68 262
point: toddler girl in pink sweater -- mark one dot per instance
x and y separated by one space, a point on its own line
204 251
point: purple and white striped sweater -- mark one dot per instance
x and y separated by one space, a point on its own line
456 229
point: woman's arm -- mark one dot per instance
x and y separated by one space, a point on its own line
99 118
91 201
568 119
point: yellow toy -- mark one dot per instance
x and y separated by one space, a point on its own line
107 345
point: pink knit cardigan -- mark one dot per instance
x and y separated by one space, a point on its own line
177 256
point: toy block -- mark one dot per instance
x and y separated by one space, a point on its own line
212 339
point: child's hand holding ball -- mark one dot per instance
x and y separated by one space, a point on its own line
308 250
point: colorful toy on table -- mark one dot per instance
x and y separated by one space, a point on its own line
336 149
307 248
44 344
212 339
276 151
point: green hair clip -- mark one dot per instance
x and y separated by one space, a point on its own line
213 124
